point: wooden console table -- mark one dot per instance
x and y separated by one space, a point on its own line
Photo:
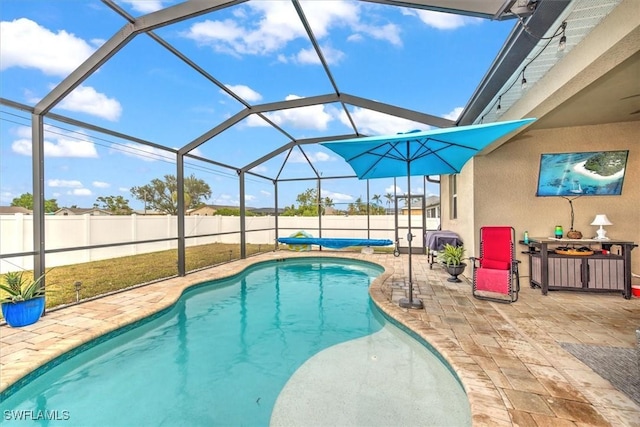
598 272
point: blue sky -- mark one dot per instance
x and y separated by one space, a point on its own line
425 61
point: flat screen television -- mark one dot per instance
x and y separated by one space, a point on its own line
594 173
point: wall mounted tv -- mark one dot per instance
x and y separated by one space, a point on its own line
595 173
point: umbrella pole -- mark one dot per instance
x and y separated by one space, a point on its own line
409 302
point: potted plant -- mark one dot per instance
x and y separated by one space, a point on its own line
24 303
451 257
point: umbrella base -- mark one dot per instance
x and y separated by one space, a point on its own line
406 303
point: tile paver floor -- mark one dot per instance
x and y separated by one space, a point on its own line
508 356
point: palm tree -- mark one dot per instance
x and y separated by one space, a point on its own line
389 197
376 198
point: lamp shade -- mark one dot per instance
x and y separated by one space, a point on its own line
601 219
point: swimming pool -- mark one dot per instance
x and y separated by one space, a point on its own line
283 341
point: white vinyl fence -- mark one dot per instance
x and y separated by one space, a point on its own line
16 233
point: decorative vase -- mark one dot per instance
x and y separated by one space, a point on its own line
574 234
455 271
23 313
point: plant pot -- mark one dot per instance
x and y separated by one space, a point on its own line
23 313
455 271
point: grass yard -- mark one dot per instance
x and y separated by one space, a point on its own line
114 274
101 277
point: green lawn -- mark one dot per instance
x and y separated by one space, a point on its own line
101 277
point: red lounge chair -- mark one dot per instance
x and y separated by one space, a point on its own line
496 268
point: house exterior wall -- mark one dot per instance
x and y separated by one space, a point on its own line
464 223
500 189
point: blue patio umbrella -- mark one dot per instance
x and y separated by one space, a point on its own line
433 152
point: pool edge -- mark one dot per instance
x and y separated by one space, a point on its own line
49 358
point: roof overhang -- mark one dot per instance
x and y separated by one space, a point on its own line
488 9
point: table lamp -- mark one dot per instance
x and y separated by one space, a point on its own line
601 219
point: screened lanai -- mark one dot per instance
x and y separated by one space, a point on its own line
238 94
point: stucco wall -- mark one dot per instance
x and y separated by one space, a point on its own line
504 187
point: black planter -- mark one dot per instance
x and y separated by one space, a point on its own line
454 271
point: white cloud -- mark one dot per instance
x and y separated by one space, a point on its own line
442 21
323 15
249 197
86 99
57 143
265 193
123 189
244 92
265 27
336 197
309 56
80 192
297 157
314 117
371 122
318 117
196 152
454 114
100 184
225 199
388 32
144 6
57 183
223 36
392 188
143 152
97 42
260 169
255 121
26 44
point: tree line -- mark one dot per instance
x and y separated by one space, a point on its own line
309 204
161 195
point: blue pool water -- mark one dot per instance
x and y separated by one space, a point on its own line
220 356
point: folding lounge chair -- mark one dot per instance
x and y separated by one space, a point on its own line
496 268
